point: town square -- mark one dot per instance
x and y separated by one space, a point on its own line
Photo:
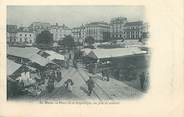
87 54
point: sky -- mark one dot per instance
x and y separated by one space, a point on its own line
71 16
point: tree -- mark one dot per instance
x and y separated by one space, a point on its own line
68 42
89 40
44 38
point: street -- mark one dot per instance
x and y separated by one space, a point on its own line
104 90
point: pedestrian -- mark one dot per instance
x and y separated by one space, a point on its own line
50 85
103 74
75 63
67 64
142 80
53 75
91 85
107 75
68 84
58 75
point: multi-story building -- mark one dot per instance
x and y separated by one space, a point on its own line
11 28
145 31
11 37
79 34
38 27
100 31
116 27
59 32
135 30
21 35
11 33
25 37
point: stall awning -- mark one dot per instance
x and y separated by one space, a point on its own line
54 55
40 60
26 52
86 51
12 67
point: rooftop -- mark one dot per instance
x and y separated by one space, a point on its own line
115 52
12 67
40 60
28 53
137 23
54 55
60 26
98 23
118 20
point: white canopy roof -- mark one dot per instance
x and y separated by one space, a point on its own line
54 55
40 60
12 67
116 52
28 53
86 51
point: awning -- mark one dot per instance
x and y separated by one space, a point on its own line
26 52
40 60
12 67
113 53
54 55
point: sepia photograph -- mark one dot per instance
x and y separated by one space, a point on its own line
77 53
91 58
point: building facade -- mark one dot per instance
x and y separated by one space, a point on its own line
116 27
11 28
25 37
11 37
134 30
11 31
100 31
38 27
59 32
79 34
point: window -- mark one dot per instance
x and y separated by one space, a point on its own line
30 35
25 35
20 34
26 40
20 39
